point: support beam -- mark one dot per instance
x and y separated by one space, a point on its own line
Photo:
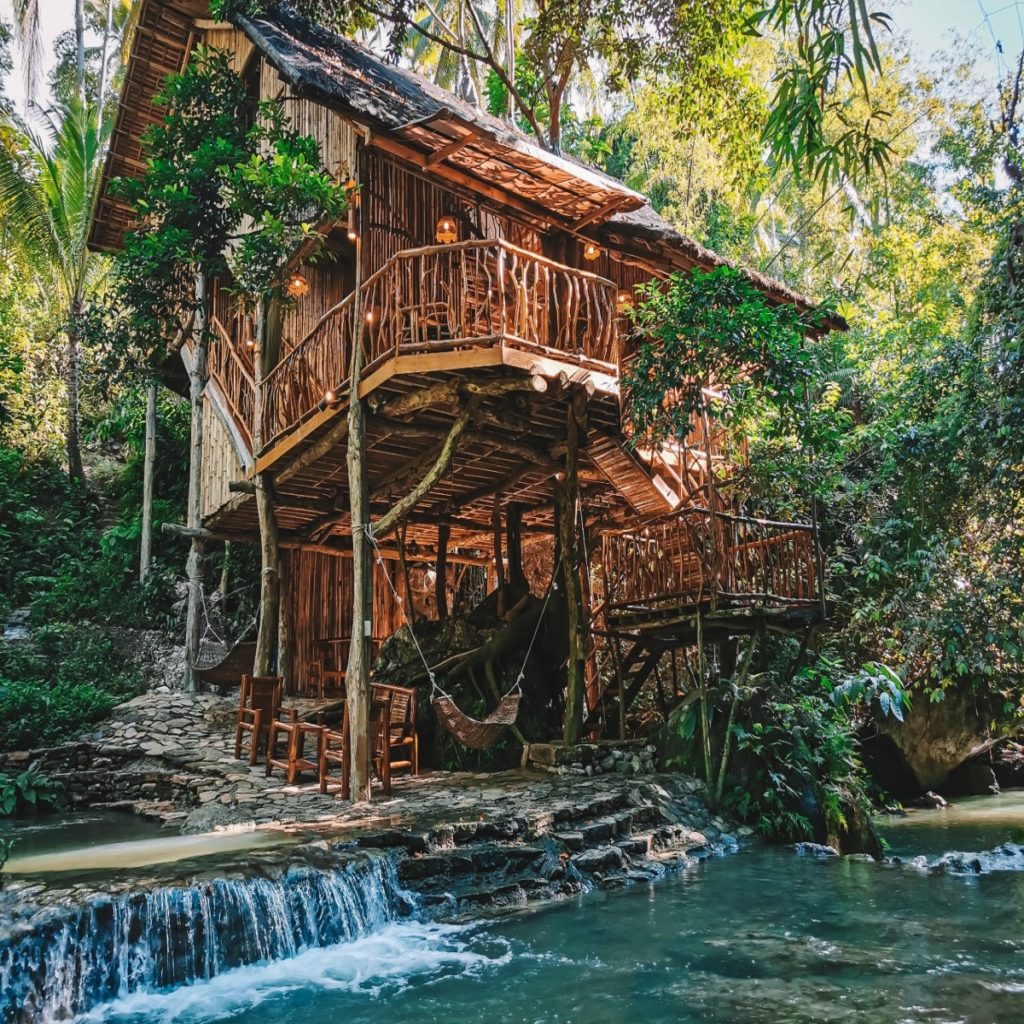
197 551
567 492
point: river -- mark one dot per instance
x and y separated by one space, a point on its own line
763 936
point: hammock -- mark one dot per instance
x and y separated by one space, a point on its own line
471 732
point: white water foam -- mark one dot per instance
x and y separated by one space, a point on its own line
376 965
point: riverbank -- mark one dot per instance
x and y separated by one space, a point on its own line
449 847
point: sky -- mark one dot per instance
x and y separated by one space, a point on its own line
929 25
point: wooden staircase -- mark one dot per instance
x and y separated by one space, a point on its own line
646 493
639 660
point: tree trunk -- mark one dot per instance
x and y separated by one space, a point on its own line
80 48
270 578
567 521
107 30
194 517
149 461
267 655
74 449
357 676
284 626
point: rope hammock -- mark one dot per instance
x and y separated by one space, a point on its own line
470 732
217 656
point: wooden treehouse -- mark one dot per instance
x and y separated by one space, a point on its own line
486 280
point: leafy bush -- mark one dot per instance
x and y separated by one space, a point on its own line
70 678
27 793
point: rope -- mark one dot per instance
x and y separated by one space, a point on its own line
435 687
368 530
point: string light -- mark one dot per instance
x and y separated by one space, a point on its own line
623 301
446 232
329 396
298 286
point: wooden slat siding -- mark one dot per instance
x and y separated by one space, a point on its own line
319 602
690 558
221 36
469 295
220 461
336 135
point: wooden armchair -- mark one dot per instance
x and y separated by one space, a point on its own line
259 704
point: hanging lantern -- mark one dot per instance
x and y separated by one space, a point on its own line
623 301
447 232
591 251
329 396
298 286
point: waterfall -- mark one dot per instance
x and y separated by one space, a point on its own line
150 941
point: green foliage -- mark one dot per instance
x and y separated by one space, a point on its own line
67 679
717 326
28 792
798 770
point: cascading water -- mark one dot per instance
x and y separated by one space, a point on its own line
169 937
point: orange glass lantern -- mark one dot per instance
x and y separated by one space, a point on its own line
298 286
591 251
623 301
447 231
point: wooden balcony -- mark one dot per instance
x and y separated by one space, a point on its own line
692 559
476 303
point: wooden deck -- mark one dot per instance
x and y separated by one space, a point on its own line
448 308
663 571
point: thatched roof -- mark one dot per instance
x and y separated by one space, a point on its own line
423 123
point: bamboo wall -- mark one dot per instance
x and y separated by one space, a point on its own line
402 208
221 36
337 137
318 600
220 460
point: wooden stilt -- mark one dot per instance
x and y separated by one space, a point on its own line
569 488
441 581
357 677
197 548
148 466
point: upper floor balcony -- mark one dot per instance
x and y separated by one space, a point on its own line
445 307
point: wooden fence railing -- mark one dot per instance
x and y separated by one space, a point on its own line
441 299
693 557
229 365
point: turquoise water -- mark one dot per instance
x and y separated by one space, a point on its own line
763 936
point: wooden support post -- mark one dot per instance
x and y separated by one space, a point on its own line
569 500
148 465
270 552
357 678
403 563
194 517
514 541
499 561
285 645
441 581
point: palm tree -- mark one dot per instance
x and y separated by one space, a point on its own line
48 186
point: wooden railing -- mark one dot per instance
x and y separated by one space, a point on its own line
695 558
441 299
229 365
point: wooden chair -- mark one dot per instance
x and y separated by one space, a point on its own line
294 761
334 754
397 742
259 704
315 678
